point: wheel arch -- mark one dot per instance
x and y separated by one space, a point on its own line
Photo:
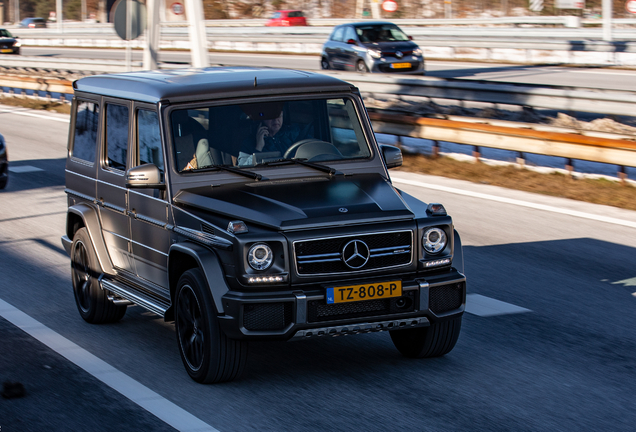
458 252
185 256
85 216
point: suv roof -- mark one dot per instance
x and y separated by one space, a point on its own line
209 83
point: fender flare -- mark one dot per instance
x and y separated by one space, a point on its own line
90 218
209 263
458 252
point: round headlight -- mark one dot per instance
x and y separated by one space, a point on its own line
260 256
434 240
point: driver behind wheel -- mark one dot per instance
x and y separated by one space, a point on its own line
273 136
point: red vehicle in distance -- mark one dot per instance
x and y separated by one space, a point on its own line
287 18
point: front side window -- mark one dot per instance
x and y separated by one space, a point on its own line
349 34
149 138
85 135
262 134
116 136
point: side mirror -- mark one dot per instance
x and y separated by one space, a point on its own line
392 156
351 42
145 176
410 37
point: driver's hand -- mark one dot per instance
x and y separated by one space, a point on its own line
261 133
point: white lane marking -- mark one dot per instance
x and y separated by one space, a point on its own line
626 282
518 202
152 402
30 114
24 169
485 306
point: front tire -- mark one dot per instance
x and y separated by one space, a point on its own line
324 63
435 340
208 355
92 301
361 67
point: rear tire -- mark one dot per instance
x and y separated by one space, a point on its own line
208 355
424 342
92 301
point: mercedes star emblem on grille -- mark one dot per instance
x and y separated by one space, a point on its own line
355 254
343 210
399 54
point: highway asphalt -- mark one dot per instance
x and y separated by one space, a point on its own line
547 342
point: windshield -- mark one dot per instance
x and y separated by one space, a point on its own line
381 33
256 134
5 33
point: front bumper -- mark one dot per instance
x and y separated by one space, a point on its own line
299 314
388 65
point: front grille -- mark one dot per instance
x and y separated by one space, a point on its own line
324 256
445 298
392 53
319 310
267 316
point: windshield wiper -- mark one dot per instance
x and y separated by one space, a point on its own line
231 169
284 161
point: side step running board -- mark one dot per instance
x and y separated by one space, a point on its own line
136 296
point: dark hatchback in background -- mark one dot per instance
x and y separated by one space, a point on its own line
372 47
33 23
4 164
9 44
287 18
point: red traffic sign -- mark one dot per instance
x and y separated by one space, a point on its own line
391 6
630 6
177 8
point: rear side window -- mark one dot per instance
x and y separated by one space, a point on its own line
149 138
116 136
85 137
337 34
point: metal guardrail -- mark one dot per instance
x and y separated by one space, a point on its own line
519 137
559 98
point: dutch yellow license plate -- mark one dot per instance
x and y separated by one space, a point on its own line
352 293
400 65
6 50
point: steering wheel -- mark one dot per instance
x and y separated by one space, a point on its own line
312 147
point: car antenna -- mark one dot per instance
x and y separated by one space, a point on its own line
255 83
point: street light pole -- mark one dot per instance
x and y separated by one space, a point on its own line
607 20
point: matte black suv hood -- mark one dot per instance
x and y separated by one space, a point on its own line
302 203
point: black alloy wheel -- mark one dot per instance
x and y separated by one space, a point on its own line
324 63
92 302
189 328
208 355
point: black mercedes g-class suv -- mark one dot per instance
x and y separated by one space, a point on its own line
251 204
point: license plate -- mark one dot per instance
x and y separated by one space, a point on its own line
6 50
400 65
373 291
